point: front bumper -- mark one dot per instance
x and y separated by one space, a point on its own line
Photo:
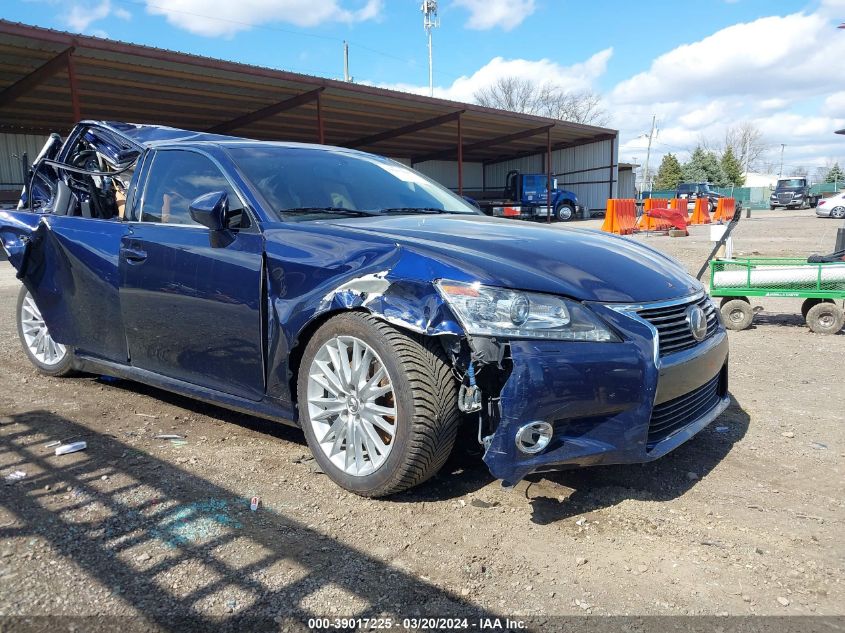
607 402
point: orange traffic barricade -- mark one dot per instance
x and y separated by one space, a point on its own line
620 217
724 210
701 214
681 205
649 223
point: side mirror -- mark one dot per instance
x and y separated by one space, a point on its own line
554 184
211 209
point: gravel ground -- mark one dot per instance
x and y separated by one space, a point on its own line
746 518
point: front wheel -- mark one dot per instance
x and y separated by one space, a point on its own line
564 212
379 407
48 356
737 314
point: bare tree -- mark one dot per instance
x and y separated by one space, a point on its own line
746 137
548 99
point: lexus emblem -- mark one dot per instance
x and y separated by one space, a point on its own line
697 322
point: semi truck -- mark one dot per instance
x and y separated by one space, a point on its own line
525 197
793 193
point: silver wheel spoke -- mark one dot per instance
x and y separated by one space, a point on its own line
351 405
36 335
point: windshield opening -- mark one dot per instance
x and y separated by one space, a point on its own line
308 184
790 182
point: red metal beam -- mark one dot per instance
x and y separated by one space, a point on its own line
74 88
499 140
321 132
460 159
36 77
540 150
549 175
405 129
268 111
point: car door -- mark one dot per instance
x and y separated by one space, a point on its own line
69 265
191 304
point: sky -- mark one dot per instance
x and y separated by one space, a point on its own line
699 66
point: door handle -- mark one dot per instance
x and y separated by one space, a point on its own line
134 255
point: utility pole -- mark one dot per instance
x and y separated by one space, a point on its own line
747 157
648 152
782 146
430 22
346 76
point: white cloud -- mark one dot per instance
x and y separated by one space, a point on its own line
579 76
215 18
81 16
771 56
774 72
488 14
834 105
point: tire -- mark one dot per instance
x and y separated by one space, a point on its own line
737 314
50 358
772 207
421 389
825 318
837 213
564 212
809 303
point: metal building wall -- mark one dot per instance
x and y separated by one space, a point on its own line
446 173
12 149
626 184
590 171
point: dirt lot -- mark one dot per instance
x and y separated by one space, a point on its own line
747 518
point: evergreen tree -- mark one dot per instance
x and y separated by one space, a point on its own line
703 166
669 174
731 169
835 174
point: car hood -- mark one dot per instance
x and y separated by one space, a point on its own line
583 264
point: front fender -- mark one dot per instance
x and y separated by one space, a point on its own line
318 278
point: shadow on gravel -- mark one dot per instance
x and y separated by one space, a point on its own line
131 531
667 478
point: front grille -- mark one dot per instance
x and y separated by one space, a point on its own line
673 415
672 327
785 198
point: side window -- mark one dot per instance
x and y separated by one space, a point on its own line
178 177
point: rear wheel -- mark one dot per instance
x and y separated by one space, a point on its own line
378 406
809 303
825 318
48 356
837 212
737 314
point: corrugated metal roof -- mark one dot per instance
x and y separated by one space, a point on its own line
127 82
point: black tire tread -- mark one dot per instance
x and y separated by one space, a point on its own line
434 395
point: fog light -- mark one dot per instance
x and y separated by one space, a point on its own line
534 437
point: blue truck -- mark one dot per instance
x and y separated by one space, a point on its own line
525 197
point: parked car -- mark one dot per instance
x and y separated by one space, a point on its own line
792 193
352 296
833 207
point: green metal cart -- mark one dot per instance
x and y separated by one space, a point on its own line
822 286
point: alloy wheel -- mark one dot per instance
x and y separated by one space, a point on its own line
352 405
37 337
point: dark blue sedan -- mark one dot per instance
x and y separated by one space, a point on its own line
352 296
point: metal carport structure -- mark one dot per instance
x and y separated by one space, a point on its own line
51 79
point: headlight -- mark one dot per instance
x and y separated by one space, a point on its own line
487 311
